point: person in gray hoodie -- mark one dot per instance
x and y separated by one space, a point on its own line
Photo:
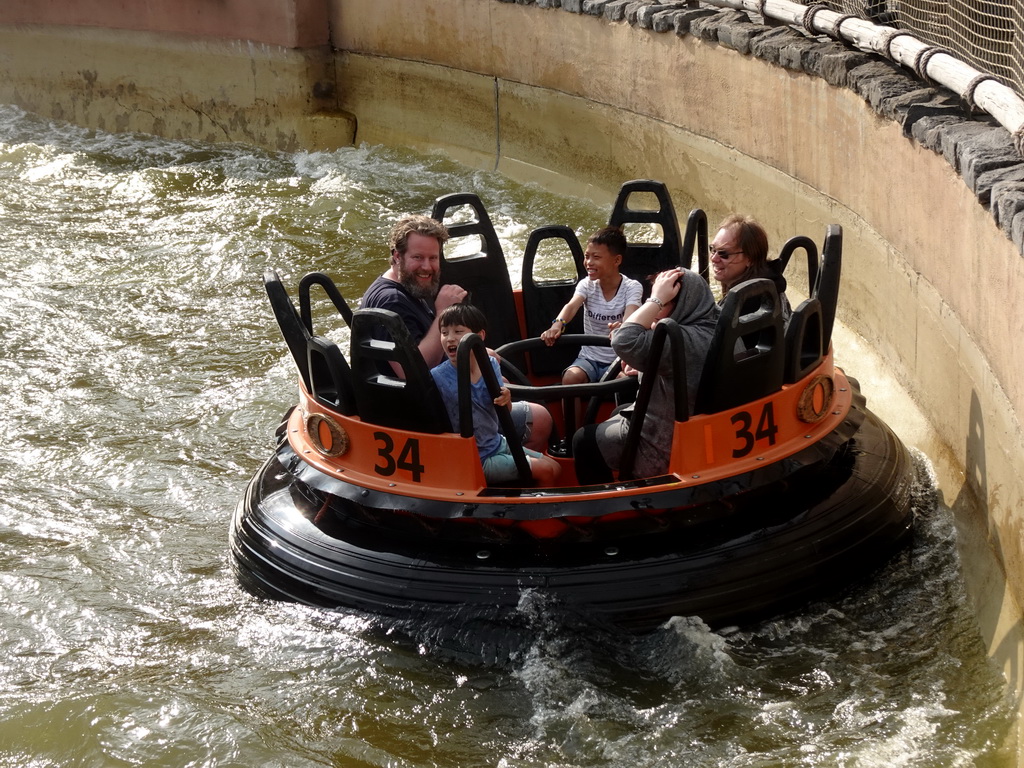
686 298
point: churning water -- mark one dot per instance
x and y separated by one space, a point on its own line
141 379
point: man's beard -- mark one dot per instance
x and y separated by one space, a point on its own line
414 287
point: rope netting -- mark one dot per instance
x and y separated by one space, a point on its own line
973 47
988 34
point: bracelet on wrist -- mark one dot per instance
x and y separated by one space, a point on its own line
655 300
559 320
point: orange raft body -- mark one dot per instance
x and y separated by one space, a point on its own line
782 485
786 498
446 467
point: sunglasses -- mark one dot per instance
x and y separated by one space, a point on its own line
722 254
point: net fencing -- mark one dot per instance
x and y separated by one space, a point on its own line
987 34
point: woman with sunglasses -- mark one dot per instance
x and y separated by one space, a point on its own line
739 252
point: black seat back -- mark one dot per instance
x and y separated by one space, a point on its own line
644 259
544 299
826 283
666 331
695 239
322 367
747 357
413 403
804 336
329 375
483 273
293 330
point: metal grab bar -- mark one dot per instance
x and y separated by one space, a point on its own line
666 328
472 344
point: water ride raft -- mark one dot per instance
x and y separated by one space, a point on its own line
782 485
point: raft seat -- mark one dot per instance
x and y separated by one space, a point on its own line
322 366
330 378
809 331
804 340
411 403
747 357
644 259
544 299
483 274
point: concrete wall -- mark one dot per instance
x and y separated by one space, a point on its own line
287 23
256 71
731 115
931 280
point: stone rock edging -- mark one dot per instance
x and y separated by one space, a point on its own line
979 149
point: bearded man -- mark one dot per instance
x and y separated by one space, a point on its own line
410 286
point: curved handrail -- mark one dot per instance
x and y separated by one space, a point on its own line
666 328
525 345
810 248
611 375
324 371
557 391
697 235
325 282
561 391
472 344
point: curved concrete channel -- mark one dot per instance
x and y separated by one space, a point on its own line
731 114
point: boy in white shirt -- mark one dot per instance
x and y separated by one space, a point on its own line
606 296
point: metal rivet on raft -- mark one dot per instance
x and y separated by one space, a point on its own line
483 554
611 551
365 493
695 477
760 458
459 493
391 485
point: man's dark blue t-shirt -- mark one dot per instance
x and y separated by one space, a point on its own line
417 314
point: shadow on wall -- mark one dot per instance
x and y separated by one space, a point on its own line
1005 639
